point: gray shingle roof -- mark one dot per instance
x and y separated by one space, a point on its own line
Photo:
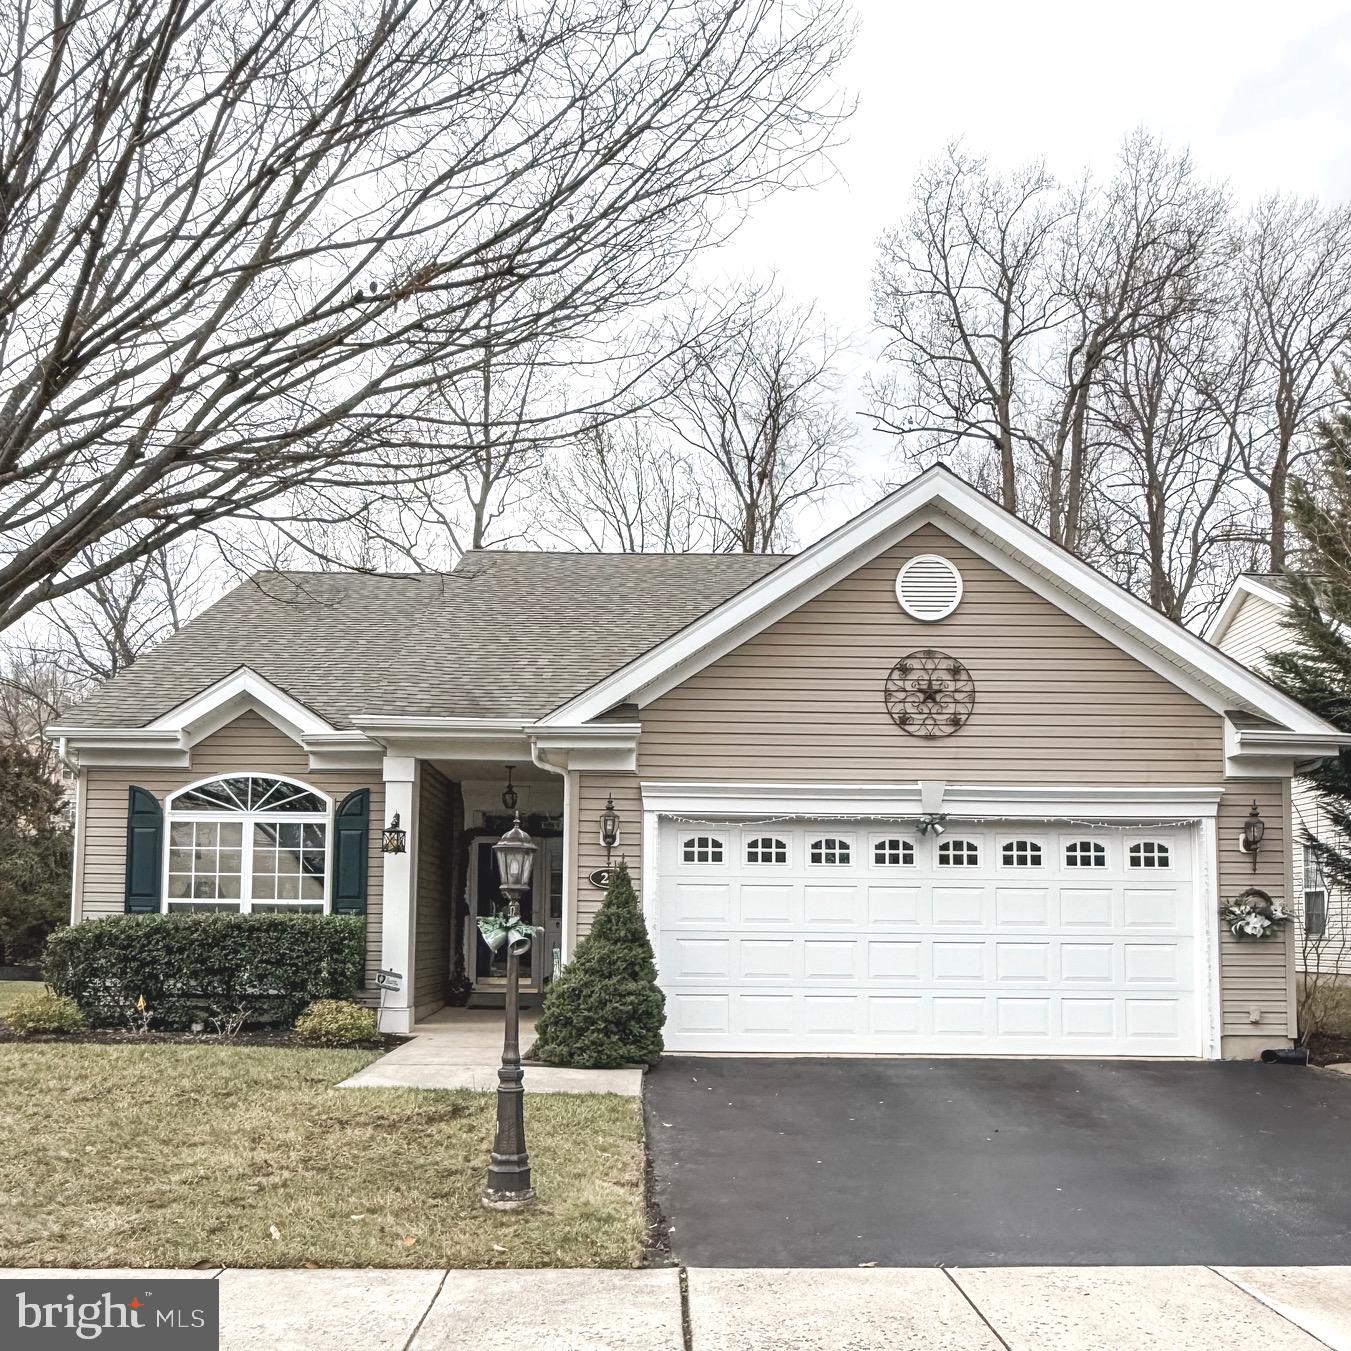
431 644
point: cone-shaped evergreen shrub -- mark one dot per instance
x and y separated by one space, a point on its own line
605 1010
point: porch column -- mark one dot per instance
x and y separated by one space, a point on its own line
398 925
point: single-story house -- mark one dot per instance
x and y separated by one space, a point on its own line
931 785
1250 626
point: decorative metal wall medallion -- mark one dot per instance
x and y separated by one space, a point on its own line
929 693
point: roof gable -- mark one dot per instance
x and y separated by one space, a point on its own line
939 497
1053 701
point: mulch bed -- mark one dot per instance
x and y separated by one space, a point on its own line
124 1036
1327 1049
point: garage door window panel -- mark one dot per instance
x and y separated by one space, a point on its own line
891 851
1152 855
1021 853
702 850
830 851
958 854
1084 854
766 851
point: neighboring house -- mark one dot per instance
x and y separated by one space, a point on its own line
932 785
1249 626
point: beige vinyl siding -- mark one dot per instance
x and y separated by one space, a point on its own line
249 743
1332 952
1055 702
436 842
1254 631
592 790
1255 974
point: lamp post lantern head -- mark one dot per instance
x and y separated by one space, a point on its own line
515 853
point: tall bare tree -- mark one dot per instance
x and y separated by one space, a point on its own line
1133 261
756 402
34 691
102 629
962 294
1167 510
235 238
1295 290
623 488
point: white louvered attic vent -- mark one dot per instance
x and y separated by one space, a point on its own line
929 587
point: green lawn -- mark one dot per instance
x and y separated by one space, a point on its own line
10 990
182 1155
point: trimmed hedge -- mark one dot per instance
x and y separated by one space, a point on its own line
336 1022
222 971
43 1011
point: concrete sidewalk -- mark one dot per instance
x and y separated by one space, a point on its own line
462 1048
782 1309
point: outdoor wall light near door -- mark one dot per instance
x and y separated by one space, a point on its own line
609 825
395 839
1254 828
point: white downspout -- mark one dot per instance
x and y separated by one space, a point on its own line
542 761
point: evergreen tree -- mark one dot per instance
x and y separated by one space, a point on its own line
1316 669
35 855
605 1010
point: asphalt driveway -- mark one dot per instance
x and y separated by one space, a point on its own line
803 1162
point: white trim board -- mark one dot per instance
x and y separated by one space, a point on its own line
1125 803
938 494
166 741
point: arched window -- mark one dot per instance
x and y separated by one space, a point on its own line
248 842
1021 854
1148 854
958 854
893 853
766 849
701 849
1085 854
830 852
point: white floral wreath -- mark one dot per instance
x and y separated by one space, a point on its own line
1253 914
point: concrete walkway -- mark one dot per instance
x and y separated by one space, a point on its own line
782 1309
462 1048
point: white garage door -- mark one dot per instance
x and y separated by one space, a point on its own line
844 936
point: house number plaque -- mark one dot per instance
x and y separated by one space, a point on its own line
599 877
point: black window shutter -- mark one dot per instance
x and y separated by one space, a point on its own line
145 849
350 830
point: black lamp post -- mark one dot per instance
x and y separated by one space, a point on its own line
508 1185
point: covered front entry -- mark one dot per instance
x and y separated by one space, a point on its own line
1027 938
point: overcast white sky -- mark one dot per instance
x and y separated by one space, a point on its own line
1261 93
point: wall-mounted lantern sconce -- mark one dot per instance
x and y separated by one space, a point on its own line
1250 842
609 825
394 840
510 797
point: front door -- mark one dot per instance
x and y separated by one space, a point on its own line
542 905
